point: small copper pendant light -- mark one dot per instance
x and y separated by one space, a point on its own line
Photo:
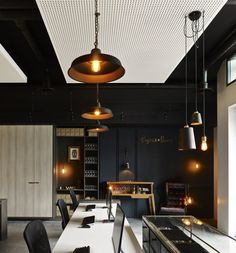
98 128
96 67
98 112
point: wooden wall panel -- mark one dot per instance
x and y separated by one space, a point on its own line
26 158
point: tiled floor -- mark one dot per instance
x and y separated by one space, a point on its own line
15 242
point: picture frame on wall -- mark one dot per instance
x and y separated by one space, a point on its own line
73 153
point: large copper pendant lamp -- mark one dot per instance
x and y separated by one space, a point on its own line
96 67
186 134
98 128
97 112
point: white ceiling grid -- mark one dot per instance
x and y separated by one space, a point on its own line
146 35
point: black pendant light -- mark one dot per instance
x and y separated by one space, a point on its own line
98 128
126 174
204 138
96 67
97 112
194 17
186 134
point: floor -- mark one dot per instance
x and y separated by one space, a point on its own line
15 241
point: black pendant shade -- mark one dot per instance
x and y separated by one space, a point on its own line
196 119
186 138
96 68
126 174
97 113
98 128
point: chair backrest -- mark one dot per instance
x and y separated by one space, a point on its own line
64 212
74 200
36 237
175 194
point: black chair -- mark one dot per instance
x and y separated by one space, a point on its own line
64 212
36 237
74 200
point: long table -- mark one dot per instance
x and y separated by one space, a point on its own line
98 236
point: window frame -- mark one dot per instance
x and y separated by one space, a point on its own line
228 70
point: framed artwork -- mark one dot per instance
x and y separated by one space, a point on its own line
73 153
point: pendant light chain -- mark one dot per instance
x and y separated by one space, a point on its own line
186 77
97 14
195 77
97 87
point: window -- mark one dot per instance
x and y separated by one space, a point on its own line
231 69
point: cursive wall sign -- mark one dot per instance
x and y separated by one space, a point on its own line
161 140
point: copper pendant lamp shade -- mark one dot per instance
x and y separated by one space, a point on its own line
196 119
98 113
96 68
186 138
98 128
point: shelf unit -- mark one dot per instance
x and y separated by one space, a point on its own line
91 167
82 174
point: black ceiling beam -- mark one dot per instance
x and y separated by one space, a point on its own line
231 2
17 4
225 48
22 26
17 14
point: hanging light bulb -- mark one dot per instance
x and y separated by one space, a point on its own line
204 143
204 146
186 134
96 67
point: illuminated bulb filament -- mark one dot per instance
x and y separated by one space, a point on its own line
96 66
63 171
97 112
204 143
189 200
197 165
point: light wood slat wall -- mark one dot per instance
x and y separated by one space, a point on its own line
26 155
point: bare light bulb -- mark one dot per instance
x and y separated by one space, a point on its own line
96 66
204 143
97 112
63 171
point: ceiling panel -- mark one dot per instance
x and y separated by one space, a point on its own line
9 70
146 35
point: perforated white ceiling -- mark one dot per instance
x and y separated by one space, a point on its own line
9 70
146 35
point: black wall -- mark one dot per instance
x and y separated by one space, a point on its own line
153 156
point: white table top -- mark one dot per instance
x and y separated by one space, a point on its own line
98 236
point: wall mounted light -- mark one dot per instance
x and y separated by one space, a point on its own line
97 112
96 67
186 134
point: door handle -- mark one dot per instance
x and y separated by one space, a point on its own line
33 182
